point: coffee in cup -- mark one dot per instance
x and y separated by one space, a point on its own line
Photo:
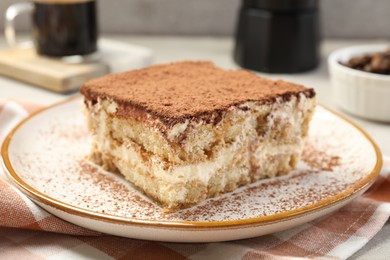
60 28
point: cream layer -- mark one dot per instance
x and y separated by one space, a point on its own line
287 121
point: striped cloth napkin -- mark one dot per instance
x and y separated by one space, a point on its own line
29 232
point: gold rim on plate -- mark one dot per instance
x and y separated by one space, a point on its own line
258 221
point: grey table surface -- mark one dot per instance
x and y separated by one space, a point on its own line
219 50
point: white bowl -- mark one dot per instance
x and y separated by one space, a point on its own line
358 92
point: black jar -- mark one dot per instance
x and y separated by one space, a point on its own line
278 36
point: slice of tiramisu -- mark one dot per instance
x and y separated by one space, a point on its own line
187 131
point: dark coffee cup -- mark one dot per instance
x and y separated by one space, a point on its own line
60 28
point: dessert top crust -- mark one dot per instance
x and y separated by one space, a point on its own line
177 91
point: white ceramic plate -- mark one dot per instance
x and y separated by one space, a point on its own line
45 156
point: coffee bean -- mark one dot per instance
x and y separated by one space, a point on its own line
374 63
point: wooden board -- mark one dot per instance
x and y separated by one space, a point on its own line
53 74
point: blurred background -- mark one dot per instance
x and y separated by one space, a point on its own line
339 18
137 33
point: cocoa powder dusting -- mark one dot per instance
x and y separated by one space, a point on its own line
55 165
319 159
177 91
